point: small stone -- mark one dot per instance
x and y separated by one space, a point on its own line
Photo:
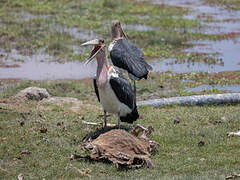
22 123
60 123
176 121
25 152
223 119
43 130
201 143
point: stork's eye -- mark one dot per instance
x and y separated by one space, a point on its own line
101 41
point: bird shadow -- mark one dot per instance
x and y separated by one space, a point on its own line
95 134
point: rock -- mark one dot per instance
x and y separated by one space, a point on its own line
33 93
176 121
201 143
25 152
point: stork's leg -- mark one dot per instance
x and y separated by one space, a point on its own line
119 120
105 120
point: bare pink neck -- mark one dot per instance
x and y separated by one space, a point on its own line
102 71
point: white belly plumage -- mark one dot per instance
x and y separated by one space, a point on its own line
110 102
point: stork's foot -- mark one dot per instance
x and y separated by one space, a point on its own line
105 128
119 120
95 134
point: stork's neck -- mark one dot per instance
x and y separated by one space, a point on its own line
102 71
116 34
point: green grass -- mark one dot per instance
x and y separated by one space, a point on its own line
31 25
179 155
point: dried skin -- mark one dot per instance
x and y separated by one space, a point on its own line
121 148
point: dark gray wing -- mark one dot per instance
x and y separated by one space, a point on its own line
127 56
123 90
96 88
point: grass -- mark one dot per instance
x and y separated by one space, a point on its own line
30 25
179 155
158 85
53 26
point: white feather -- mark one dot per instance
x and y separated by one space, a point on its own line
109 100
111 46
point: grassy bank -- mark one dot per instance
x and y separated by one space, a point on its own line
37 140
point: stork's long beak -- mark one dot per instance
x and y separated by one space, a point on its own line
92 42
95 50
123 33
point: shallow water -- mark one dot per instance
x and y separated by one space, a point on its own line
40 67
172 66
76 32
229 88
27 16
228 51
137 27
34 70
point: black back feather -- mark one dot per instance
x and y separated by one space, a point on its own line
96 88
123 90
127 56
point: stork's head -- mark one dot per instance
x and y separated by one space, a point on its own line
117 31
99 46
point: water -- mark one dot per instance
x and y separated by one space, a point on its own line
76 32
229 88
138 27
34 70
27 16
14 56
39 67
228 51
172 66
223 20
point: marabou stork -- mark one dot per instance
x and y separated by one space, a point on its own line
113 91
126 56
